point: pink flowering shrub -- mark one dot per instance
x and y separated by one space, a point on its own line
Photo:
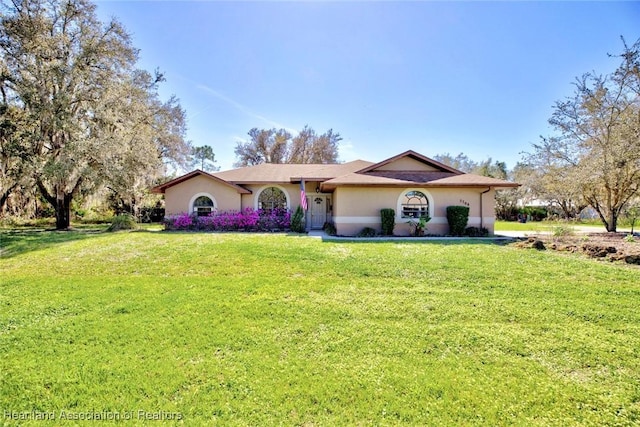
245 220
276 219
183 221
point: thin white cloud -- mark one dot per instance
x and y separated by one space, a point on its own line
237 138
347 152
244 109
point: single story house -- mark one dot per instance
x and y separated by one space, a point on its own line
348 194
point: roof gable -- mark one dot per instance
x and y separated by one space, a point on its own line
163 187
411 169
410 161
406 164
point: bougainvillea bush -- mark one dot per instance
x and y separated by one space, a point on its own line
245 220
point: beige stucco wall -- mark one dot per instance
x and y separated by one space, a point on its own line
359 207
406 164
353 207
179 197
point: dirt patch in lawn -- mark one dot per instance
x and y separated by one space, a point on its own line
605 246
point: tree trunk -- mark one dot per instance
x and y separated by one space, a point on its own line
5 196
63 212
61 202
612 224
566 209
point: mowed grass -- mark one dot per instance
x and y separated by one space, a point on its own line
245 329
545 226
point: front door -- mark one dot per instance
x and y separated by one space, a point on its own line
318 211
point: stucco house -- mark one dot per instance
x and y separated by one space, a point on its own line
348 194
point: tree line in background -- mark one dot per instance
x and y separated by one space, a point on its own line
506 200
79 120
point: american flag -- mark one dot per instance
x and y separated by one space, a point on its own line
303 196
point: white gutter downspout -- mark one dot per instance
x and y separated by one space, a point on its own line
482 208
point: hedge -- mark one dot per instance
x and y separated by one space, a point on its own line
388 217
457 217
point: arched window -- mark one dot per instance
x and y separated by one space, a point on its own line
414 204
272 198
203 206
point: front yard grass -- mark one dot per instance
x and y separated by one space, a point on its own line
545 226
244 329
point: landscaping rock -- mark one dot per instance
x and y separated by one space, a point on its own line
603 246
563 248
597 251
632 259
617 257
538 244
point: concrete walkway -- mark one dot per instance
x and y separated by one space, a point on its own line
319 234
499 235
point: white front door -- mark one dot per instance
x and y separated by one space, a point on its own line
318 211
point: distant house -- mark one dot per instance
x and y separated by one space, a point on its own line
348 194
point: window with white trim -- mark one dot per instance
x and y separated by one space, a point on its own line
203 206
272 198
414 204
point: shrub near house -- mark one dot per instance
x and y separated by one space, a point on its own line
388 221
457 217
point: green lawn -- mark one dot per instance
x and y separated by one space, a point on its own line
538 226
284 330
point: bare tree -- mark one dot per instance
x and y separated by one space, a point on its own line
597 148
278 146
309 147
265 146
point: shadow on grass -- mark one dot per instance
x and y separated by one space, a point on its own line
19 241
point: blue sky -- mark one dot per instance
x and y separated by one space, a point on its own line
473 77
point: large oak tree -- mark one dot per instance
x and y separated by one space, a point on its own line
88 116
